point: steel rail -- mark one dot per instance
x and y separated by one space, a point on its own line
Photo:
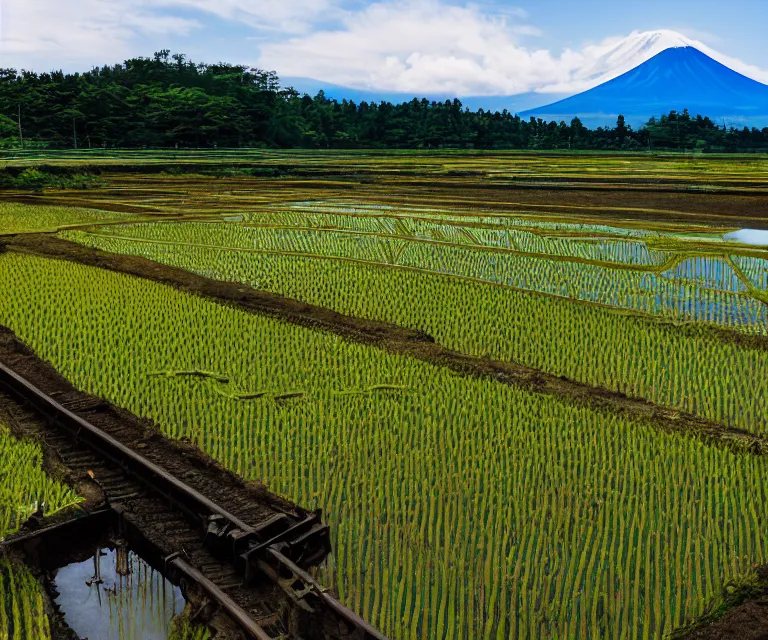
246 622
159 480
178 493
369 631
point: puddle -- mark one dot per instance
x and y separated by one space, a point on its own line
757 237
115 595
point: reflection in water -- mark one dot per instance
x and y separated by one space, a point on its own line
757 237
117 596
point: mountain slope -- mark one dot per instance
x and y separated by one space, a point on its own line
677 78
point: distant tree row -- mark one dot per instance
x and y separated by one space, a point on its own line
169 101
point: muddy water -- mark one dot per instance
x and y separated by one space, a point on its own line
115 595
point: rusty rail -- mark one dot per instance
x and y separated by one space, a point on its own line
276 548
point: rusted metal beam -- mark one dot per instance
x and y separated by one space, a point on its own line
246 545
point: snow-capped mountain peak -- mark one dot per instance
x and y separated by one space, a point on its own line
676 78
600 63
612 58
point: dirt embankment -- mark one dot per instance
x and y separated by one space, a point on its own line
404 341
740 614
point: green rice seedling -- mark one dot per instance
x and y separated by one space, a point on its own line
463 509
23 218
24 486
22 611
613 273
686 367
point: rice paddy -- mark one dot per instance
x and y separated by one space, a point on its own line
25 488
478 300
460 507
22 611
23 218
443 513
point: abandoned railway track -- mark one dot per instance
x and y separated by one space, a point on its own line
252 555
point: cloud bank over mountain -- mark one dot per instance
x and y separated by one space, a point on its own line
406 46
415 47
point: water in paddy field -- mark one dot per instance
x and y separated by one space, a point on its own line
115 595
757 237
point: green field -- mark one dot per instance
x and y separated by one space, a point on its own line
22 612
21 218
480 302
460 507
24 486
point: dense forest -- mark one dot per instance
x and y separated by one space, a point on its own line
168 101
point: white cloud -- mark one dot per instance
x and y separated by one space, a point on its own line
429 46
423 46
45 34
414 46
150 24
88 30
285 16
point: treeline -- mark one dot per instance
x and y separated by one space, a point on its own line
168 101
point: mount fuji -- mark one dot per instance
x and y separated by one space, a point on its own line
639 76
676 78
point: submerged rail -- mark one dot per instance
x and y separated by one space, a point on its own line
280 548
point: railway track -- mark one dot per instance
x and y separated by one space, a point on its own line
255 564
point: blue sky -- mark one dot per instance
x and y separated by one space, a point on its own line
736 27
465 48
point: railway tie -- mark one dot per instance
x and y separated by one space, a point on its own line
226 557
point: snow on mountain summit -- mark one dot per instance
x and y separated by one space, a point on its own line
632 51
597 64
603 62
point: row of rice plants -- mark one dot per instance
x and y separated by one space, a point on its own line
700 170
666 294
754 269
430 208
503 234
681 293
24 486
22 612
478 207
460 508
22 218
692 370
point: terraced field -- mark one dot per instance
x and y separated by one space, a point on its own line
463 504
469 284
